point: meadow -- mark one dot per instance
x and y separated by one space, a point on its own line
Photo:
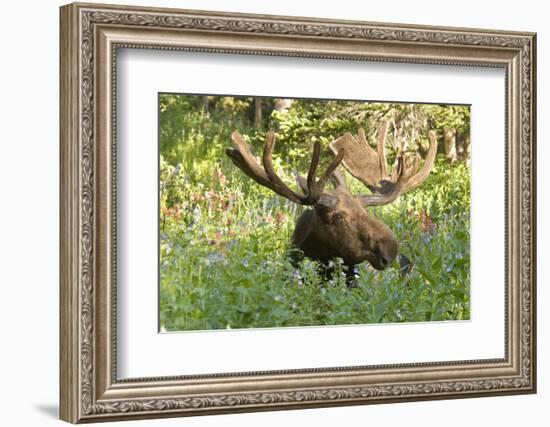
224 239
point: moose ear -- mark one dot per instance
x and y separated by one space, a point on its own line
327 200
336 177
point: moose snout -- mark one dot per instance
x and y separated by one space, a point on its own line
381 263
384 262
380 260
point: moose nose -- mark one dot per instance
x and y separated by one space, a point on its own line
385 261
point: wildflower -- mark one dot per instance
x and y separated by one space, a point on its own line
177 211
197 214
280 218
214 257
197 197
426 223
219 177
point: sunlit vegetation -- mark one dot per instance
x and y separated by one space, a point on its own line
224 239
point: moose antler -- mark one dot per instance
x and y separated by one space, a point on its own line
370 167
243 158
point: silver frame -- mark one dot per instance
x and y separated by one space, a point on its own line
90 37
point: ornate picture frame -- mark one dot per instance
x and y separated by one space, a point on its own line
90 388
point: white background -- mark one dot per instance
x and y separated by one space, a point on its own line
145 353
29 171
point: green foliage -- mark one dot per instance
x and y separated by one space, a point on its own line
448 116
309 121
224 239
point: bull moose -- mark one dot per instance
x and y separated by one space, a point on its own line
339 225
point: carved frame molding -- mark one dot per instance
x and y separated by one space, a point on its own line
90 36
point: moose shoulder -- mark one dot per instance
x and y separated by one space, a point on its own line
339 225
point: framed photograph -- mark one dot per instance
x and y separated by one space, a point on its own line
266 212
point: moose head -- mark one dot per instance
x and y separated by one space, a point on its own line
339 225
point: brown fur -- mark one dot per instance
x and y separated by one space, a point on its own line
345 230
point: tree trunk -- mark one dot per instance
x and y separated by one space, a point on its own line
205 104
257 112
449 139
463 147
467 149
